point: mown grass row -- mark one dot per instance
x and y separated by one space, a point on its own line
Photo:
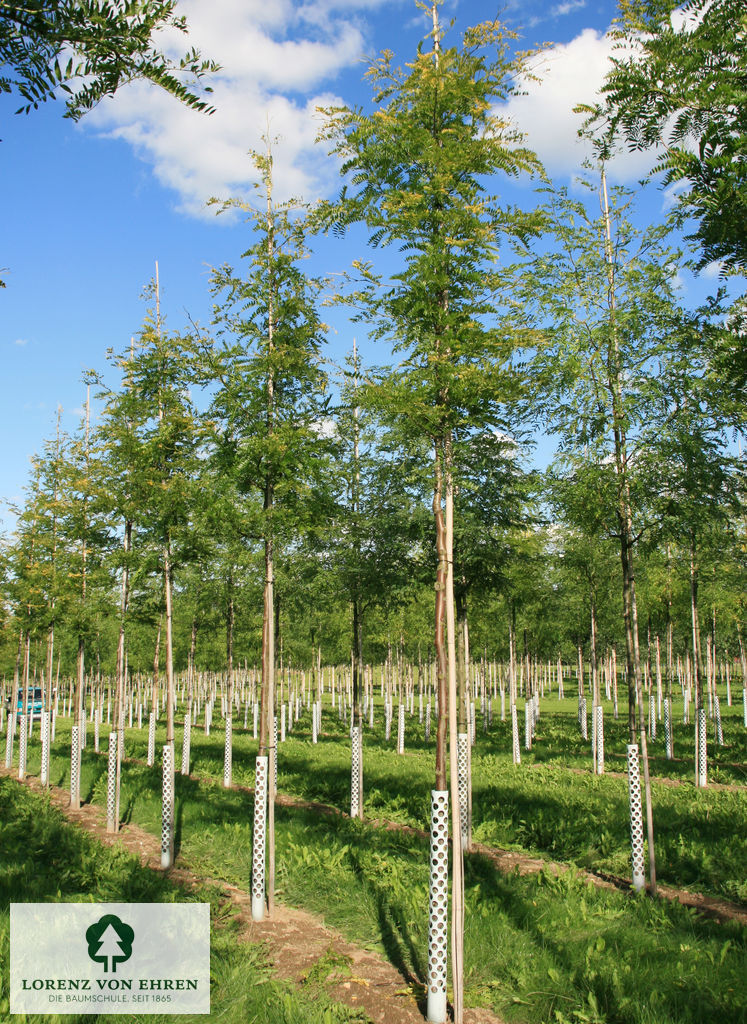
538 807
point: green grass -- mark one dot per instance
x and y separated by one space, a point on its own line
44 859
538 949
537 807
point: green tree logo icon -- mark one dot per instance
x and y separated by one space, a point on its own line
110 942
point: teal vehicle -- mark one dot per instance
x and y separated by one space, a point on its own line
34 703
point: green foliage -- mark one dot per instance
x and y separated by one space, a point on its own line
417 168
678 83
87 49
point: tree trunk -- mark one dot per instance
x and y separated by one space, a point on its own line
440 613
457 878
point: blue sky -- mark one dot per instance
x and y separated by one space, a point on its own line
87 209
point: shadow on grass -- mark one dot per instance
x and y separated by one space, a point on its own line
44 859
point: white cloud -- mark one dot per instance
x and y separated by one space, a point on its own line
274 56
21 342
567 8
570 73
713 270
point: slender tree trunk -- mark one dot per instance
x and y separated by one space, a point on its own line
440 613
79 718
457 878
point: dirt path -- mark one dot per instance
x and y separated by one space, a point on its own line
297 941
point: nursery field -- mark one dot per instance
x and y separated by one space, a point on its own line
541 945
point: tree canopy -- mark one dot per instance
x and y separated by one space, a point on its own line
86 49
678 83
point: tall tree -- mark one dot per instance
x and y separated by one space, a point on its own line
418 167
603 297
160 376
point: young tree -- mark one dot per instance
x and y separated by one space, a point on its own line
603 297
160 375
268 404
418 167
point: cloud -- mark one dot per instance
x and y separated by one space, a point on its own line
21 342
567 8
570 74
276 59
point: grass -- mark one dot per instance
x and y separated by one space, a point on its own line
44 859
537 807
539 949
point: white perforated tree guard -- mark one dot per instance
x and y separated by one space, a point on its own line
503 705
438 907
259 838
23 738
668 728
314 727
702 749
387 721
356 771
463 781
167 807
228 752
515 734
139 715
186 742
652 716
527 726
401 730
282 723
599 749
636 818
111 785
584 723
427 721
96 733
75 767
45 728
152 739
